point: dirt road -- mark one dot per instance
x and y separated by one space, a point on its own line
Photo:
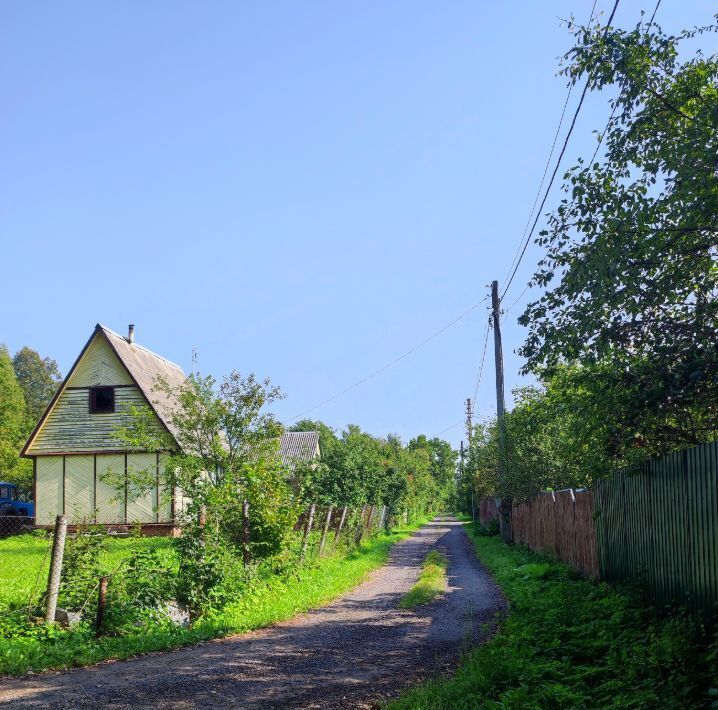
353 653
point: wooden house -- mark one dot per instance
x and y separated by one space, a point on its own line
72 445
299 447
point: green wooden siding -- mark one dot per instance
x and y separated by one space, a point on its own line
70 427
72 485
99 366
659 526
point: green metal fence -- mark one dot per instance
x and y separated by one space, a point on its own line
659 525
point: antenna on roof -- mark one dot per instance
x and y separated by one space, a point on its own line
194 358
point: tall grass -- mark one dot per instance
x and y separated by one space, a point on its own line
431 583
265 602
569 643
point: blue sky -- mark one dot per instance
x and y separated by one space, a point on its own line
305 190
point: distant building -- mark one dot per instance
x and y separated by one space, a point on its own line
72 445
299 447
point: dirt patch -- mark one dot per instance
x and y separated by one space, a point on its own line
352 653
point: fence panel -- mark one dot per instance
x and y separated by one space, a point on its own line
488 510
560 524
659 526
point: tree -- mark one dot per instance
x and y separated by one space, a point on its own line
39 379
630 266
12 426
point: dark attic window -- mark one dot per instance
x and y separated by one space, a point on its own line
102 400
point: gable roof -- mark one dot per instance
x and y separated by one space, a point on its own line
143 367
299 446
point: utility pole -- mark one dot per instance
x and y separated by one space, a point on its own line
462 469
469 415
505 506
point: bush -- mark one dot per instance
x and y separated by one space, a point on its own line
489 530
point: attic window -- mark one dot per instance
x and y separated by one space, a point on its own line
102 400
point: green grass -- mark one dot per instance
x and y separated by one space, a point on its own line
313 584
432 581
25 561
568 643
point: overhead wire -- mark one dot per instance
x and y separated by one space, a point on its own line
388 365
527 238
481 367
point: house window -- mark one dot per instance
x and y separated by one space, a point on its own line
102 400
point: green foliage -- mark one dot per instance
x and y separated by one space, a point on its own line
630 270
431 583
205 562
81 567
13 425
486 530
567 643
39 379
559 435
266 598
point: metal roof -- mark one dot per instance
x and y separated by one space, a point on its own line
145 367
299 446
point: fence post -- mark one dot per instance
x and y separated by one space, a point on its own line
308 529
53 580
245 533
326 529
340 526
368 520
101 605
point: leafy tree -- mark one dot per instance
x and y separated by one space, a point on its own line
39 379
226 452
630 267
12 425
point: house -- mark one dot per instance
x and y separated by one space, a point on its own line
299 447
72 445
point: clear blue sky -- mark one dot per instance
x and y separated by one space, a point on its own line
300 189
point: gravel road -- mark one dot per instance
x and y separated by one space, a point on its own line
353 653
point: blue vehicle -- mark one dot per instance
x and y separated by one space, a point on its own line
13 503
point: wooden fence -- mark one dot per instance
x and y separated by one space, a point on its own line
560 524
659 526
488 510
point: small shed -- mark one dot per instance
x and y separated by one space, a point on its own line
72 445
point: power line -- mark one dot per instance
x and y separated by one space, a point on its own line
548 160
602 135
481 367
558 163
392 363
448 428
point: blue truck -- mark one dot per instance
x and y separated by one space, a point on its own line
14 504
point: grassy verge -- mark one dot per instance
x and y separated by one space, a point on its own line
432 581
25 561
313 584
568 643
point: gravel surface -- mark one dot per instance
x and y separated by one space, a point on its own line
354 653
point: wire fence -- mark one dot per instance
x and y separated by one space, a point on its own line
15 525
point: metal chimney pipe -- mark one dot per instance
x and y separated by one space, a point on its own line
131 333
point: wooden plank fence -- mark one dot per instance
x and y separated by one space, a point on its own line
559 524
657 525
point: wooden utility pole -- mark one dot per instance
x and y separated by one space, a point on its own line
469 423
462 469
505 507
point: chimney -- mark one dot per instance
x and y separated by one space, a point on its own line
131 333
